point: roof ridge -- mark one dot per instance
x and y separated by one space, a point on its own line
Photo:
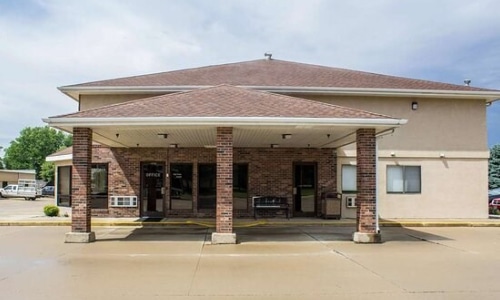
272 73
161 72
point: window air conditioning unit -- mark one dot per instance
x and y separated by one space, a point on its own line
350 202
123 201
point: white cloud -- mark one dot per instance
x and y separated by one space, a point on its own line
49 43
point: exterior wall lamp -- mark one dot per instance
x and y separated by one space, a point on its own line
414 105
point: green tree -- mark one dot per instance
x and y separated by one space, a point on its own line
1 160
47 172
28 151
494 167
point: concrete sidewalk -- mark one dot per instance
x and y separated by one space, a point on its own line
292 263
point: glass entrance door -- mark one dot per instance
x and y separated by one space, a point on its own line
152 189
207 186
181 187
304 190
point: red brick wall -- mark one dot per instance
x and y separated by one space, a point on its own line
224 212
366 180
270 172
80 189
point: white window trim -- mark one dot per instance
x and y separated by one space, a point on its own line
403 179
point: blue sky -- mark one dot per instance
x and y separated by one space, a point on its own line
49 43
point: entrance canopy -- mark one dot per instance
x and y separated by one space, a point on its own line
258 119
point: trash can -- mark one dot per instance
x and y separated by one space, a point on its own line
332 205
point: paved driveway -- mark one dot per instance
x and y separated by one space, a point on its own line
312 262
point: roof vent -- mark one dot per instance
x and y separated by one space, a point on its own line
467 82
268 55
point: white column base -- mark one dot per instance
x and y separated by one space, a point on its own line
80 237
366 238
223 238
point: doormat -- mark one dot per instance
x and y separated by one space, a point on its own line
148 220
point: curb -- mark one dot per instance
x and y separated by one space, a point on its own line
262 223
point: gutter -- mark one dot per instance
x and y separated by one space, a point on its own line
59 157
221 121
489 96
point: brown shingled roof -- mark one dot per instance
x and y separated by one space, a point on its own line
65 151
275 73
224 101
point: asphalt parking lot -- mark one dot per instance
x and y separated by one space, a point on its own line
299 262
18 208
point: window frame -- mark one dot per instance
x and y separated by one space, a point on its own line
211 191
63 199
404 179
100 201
347 191
238 167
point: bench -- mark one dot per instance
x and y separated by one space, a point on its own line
270 203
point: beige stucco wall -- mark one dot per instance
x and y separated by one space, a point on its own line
437 124
12 177
450 188
94 101
447 138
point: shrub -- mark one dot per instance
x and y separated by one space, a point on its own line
51 210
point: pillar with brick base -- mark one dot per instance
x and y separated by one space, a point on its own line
224 215
366 220
80 188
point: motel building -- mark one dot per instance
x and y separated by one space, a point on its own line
305 141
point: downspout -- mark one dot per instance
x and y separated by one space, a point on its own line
376 186
380 135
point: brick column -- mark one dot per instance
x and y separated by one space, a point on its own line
224 214
366 152
80 188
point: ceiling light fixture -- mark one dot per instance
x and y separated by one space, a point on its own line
162 135
286 136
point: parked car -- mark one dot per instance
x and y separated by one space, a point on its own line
48 190
495 204
493 193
